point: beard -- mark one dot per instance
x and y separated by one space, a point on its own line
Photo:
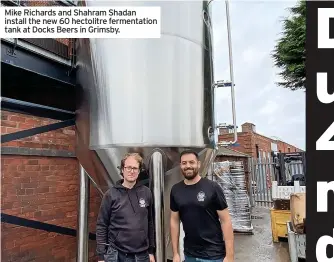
190 173
130 178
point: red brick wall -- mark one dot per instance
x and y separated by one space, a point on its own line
264 144
248 140
284 147
248 127
245 141
62 139
44 189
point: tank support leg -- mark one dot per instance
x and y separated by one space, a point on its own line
157 187
82 231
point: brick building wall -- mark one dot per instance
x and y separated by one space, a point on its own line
252 143
245 141
43 189
40 188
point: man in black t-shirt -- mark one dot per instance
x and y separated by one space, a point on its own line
201 206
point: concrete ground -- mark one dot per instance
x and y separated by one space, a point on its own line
259 246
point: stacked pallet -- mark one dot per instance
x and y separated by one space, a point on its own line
231 177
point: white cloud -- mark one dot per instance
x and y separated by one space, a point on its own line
269 108
253 54
266 90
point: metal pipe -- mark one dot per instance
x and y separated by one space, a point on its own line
82 236
157 186
90 179
231 69
221 83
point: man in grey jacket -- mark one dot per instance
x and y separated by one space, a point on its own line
125 229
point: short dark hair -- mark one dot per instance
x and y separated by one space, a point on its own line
187 152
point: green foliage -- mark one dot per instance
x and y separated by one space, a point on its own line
289 54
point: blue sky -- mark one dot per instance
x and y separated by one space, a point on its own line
255 26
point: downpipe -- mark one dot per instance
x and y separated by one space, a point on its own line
83 211
215 85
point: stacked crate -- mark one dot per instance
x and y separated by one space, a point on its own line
230 175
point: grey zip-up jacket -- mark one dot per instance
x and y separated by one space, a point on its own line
125 220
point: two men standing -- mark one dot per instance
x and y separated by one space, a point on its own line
125 230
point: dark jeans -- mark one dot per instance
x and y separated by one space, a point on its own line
114 255
193 259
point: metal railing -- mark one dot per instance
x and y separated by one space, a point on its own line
31 3
263 173
64 48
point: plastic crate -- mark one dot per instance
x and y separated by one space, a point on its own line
297 244
284 192
279 218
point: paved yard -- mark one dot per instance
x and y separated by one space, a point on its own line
259 247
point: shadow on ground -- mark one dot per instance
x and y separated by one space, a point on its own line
260 247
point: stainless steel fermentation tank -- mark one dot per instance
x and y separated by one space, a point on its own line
152 96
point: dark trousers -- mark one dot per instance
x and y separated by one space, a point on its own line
194 259
114 255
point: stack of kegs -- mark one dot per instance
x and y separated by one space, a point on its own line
231 177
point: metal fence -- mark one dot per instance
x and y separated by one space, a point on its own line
262 173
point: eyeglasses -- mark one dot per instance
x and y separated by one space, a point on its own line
129 169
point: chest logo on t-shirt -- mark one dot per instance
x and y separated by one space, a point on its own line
142 202
201 196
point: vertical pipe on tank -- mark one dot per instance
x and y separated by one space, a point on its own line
82 236
157 186
229 37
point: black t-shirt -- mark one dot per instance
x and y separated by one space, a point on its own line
197 205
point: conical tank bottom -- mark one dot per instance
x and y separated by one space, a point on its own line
137 95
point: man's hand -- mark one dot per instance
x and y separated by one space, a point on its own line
226 259
176 258
151 258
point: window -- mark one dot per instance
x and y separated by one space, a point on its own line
273 147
